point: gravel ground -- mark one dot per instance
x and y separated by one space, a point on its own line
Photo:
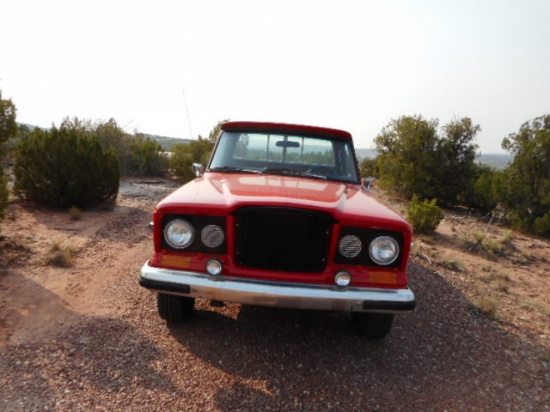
443 356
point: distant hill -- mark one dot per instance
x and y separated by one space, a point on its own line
32 127
168 142
365 154
496 160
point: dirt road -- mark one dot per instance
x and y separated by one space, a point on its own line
88 337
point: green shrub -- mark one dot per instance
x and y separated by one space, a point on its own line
487 189
369 167
146 157
75 213
4 194
136 154
184 155
64 168
542 225
424 216
528 177
111 137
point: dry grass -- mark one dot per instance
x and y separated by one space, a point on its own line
488 305
13 251
502 273
61 255
490 246
452 265
500 281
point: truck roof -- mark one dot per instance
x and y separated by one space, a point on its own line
284 128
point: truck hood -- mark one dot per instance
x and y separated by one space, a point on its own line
223 193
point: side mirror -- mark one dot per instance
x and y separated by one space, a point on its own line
368 182
198 169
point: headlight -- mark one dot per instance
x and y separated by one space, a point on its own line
384 250
179 233
350 246
212 236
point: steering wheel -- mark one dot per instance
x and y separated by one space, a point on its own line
322 170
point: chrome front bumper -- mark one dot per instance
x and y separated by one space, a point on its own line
286 295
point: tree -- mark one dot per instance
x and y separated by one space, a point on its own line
4 194
8 129
185 154
111 136
82 125
456 160
408 157
196 151
147 155
8 125
369 168
216 131
528 176
487 192
415 159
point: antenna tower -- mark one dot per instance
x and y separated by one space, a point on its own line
188 118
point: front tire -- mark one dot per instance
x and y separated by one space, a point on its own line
174 308
373 326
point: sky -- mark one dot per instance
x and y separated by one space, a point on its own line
177 68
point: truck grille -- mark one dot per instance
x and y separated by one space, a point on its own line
282 239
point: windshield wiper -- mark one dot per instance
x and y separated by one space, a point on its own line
230 169
289 172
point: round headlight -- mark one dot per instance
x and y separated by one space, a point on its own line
350 246
384 250
212 236
179 233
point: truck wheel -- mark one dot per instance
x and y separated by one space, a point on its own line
372 325
174 308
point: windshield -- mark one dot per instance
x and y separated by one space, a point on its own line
314 157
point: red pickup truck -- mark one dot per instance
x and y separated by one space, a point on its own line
279 218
